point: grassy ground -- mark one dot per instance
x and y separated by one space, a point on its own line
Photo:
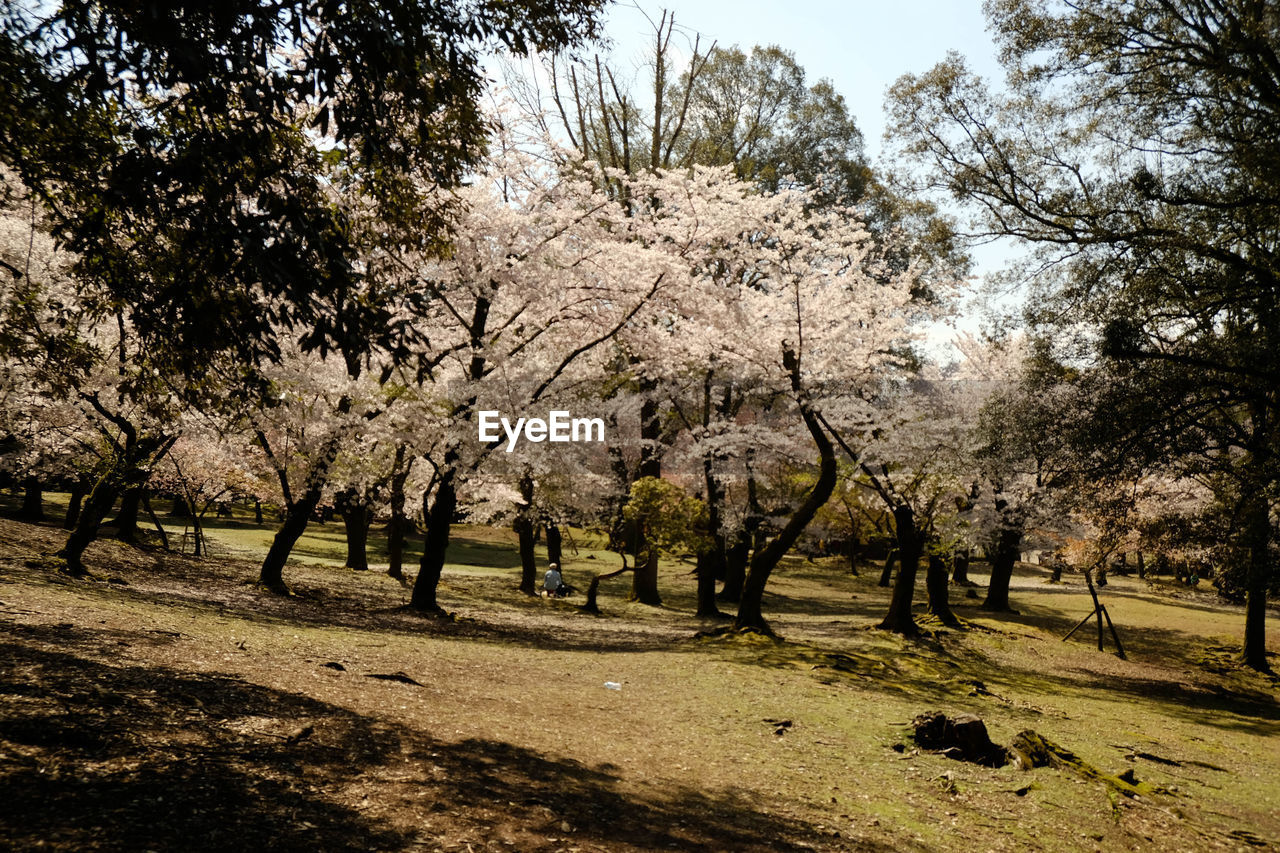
166 704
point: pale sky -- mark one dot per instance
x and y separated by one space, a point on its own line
862 46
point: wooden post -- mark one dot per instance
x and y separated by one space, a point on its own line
1097 606
1114 634
1100 611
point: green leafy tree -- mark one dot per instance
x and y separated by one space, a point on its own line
666 519
175 148
1135 149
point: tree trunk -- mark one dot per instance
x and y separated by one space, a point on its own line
711 565
554 545
707 571
910 546
197 531
736 553
32 500
95 509
435 541
296 517
622 482
355 518
524 534
1002 563
1257 541
886 574
151 514
257 511
129 473
181 508
73 506
1142 566
644 579
593 589
935 582
528 557
960 567
399 523
395 544
750 615
644 584
126 521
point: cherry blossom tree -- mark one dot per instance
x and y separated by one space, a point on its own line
82 381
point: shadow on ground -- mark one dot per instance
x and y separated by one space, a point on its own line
101 755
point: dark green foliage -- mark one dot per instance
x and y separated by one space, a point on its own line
169 144
1137 152
668 518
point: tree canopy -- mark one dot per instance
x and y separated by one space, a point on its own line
1135 148
167 140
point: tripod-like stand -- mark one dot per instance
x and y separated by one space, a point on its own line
1099 610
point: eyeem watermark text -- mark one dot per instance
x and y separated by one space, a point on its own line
559 426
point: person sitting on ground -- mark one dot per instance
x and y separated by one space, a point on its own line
553 583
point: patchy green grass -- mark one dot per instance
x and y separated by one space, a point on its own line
168 702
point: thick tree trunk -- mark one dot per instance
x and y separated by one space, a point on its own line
935 581
78 492
1257 541
355 518
435 542
1142 566
960 567
126 520
524 527
130 473
257 511
296 518
736 553
1002 563
707 571
298 514
395 543
555 545
181 508
739 550
95 509
750 609
910 546
32 500
644 584
886 574
528 557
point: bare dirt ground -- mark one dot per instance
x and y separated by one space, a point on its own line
166 704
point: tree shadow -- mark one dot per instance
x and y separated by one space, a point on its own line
105 756
132 758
